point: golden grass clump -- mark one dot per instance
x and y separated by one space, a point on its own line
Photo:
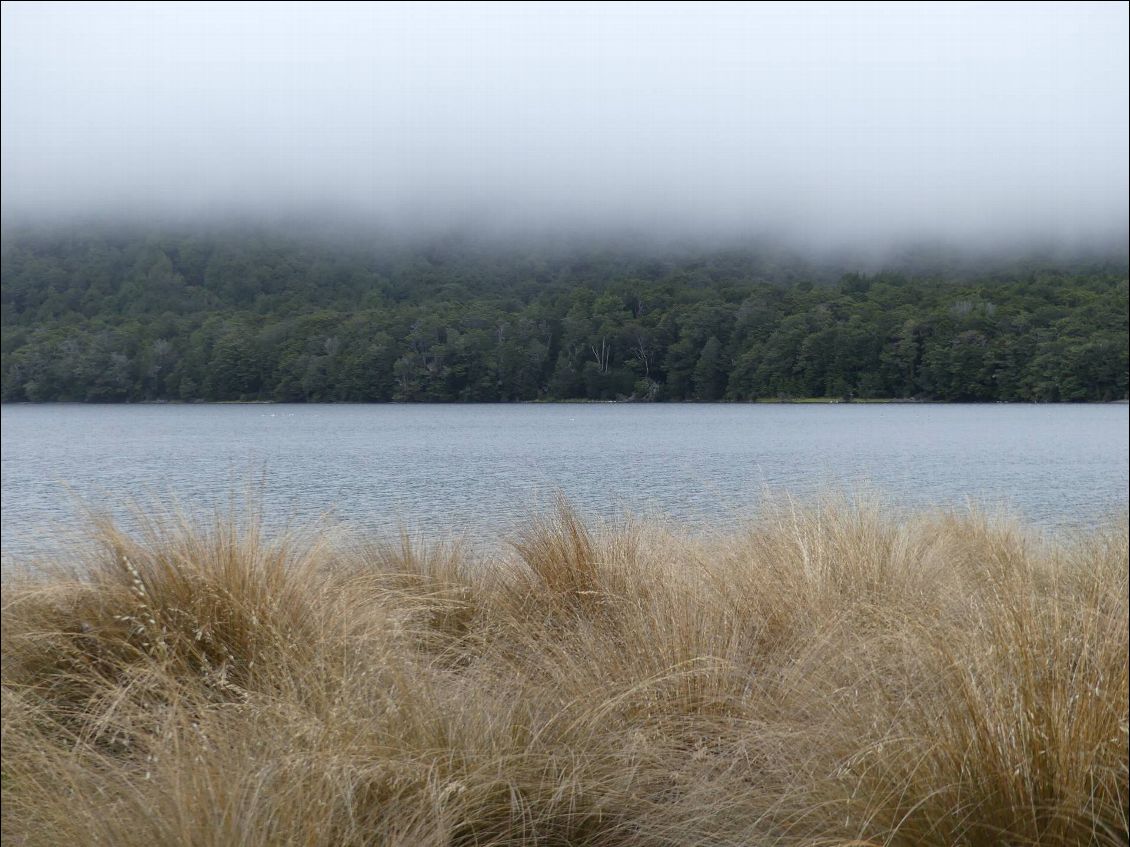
825 676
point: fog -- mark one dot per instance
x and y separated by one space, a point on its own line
838 124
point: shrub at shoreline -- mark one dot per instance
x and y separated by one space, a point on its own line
825 676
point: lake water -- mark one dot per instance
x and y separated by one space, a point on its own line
482 469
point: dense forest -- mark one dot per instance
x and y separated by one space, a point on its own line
142 316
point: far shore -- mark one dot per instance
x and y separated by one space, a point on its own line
764 401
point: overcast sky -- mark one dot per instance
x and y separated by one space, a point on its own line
827 123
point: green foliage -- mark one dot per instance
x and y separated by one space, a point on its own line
115 317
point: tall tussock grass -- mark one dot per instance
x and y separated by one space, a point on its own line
825 676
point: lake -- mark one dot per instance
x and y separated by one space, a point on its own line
481 469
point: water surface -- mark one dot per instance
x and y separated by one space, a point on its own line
481 469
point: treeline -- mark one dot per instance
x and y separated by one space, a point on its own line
127 317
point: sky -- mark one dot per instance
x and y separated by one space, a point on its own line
840 123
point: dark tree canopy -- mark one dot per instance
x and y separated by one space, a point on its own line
143 316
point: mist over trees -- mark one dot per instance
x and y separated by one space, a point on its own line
128 316
815 124
677 201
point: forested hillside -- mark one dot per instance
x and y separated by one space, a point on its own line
115 317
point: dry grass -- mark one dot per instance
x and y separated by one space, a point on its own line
826 677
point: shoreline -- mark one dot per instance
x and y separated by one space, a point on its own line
796 401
